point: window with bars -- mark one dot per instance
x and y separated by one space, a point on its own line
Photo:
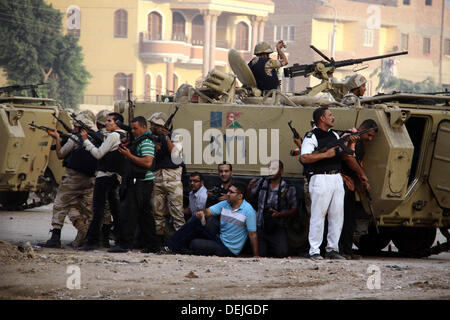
178 27
447 47
197 30
368 38
404 39
285 33
406 2
122 83
426 45
154 26
242 36
121 23
428 2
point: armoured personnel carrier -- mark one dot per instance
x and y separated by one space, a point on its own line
407 163
29 170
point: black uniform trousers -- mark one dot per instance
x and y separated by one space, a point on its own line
105 188
136 210
348 228
273 244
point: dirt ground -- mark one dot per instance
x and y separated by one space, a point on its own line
27 272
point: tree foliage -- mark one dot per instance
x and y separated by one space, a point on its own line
388 82
33 50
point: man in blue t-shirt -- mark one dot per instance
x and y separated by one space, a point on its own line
237 220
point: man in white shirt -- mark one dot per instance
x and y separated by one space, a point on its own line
198 195
108 178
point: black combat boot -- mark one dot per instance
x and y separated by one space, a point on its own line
54 241
106 229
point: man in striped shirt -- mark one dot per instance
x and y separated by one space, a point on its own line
136 208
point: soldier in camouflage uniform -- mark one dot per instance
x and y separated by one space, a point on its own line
74 196
356 88
167 197
265 69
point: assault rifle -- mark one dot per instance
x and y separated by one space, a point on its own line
296 135
17 87
369 203
66 127
170 119
91 133
47 129
341 142
309 69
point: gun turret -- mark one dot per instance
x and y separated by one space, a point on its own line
18 87
307 70
324 70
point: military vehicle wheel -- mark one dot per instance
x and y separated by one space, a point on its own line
414 241
372 243
47 188
13 200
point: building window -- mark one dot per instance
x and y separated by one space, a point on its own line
428 2
404 41
406 2
158 85
197 30
447 47
154 26
447 3
368 38
426 45
73 23
178 27
122 83
242 36
120 24
147 87
285 33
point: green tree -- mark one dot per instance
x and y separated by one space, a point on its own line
388 82
33 50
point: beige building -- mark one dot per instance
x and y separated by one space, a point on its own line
365 28
152 47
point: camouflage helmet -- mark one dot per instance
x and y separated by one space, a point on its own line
262 47
89 114
101 116
158 118
355 81
85 119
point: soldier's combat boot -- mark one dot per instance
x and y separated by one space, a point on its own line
80 239
106 229
54 241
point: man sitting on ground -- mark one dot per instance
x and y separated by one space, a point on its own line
227 238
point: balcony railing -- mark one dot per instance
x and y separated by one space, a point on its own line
222 44
197 42
151 36
179 37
